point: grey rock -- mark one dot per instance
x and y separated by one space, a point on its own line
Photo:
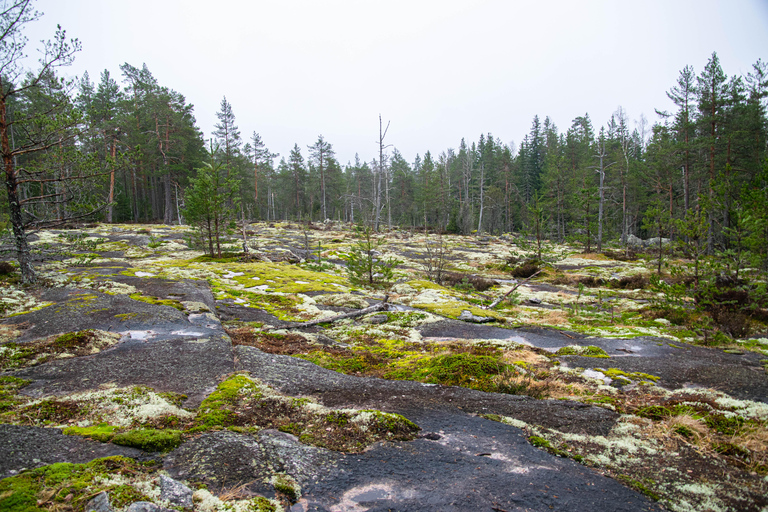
466 316
147 506
634 241
100 503
376 319
175 492
534 300
654 242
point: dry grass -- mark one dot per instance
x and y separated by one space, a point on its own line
551 317
592 256
687 427
527 356
238 492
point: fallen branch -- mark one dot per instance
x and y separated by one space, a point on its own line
497 301
381 306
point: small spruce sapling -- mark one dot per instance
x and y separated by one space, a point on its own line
363 263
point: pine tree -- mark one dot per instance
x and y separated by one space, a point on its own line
60 118
321 152
211 202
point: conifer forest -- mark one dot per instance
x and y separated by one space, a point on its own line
127 149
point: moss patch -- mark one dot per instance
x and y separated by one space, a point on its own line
70 486
578 350
150 440
74 344
156 301
240 401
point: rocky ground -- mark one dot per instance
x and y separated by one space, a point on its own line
142 375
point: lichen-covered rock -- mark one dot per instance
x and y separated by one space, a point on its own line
175 492
100 503
467 316
147 506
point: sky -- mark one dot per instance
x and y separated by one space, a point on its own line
437 71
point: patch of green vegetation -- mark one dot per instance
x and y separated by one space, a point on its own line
102 432
463 369
15 355
50 412
9 400
287 486
149 439
226 257
284 307
218 408
728 425
242 402
73 339
66 486
285 278
616 374
262 504
86 342
158 302
638 486
578 350
124 317
561 451
454 308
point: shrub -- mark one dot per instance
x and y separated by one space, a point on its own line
525 270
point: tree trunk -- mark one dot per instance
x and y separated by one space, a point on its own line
111 184
28 275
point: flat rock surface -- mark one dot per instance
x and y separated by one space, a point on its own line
461 461
31 447
677 364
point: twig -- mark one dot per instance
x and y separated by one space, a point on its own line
497 301
381 306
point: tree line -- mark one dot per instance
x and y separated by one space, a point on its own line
127 149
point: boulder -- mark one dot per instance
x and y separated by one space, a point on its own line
175 492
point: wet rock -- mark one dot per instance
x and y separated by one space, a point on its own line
175 492
31 447
100 503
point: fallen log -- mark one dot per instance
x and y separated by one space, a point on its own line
381 306
498 301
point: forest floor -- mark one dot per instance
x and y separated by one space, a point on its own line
193 367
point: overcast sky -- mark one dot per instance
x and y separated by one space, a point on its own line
438 70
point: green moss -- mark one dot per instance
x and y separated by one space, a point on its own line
463 369
15 355
539 442
262 504
66 486
218 408
244 403
102 432
287 486
124 495
50 412
453 309
588 351
150 440
285 278
156 301
616 374
638 486
73 339
728 425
